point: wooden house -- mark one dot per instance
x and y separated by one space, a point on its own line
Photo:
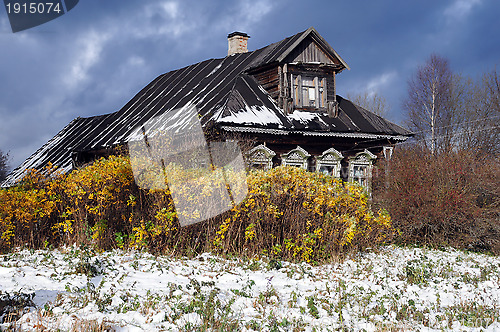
282 97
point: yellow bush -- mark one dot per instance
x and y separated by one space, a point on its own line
96 201
288 213
308 216
26 211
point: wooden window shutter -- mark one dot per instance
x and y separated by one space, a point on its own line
323 94
316 92
298 94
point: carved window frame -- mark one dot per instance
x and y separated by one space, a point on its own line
260 157
330 161
296 157
361 168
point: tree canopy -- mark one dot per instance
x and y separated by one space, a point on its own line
448 111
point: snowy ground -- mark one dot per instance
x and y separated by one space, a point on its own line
393 289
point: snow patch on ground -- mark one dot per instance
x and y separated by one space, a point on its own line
393 288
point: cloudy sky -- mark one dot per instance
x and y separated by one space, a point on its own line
93 59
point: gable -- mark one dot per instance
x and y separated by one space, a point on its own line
307 45
308 51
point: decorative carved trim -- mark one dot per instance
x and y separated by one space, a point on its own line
260 155
361 167
364 156
296 157
353 135
330 161
263 148
332 153
388 150
312 133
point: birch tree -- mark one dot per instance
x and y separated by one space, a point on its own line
431 103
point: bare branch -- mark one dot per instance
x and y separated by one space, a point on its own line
371 101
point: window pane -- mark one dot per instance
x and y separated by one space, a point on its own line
312 96
328 170
308 81
305 96
321 96
360 171
308 92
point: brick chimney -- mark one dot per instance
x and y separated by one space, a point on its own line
237 42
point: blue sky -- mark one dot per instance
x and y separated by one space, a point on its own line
93 59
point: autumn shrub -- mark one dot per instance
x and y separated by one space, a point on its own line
28 211
450 198
288 213
97 202
98 205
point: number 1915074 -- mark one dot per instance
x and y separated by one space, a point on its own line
34 8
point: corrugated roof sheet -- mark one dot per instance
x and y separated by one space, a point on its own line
223 93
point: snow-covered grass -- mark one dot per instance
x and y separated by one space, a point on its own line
391 289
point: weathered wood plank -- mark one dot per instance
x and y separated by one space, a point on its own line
309 52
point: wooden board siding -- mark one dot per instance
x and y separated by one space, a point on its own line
309 52
269 80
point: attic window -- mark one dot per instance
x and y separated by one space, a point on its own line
309 91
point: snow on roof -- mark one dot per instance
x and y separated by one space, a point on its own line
252 115
223 93
307 117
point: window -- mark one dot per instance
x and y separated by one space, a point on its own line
360 168
260 157
360 174
296 157
309 91
329 162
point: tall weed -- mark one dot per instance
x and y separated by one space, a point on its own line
452 198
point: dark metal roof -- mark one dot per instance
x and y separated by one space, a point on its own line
224 94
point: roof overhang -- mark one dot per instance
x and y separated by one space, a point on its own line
270 131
